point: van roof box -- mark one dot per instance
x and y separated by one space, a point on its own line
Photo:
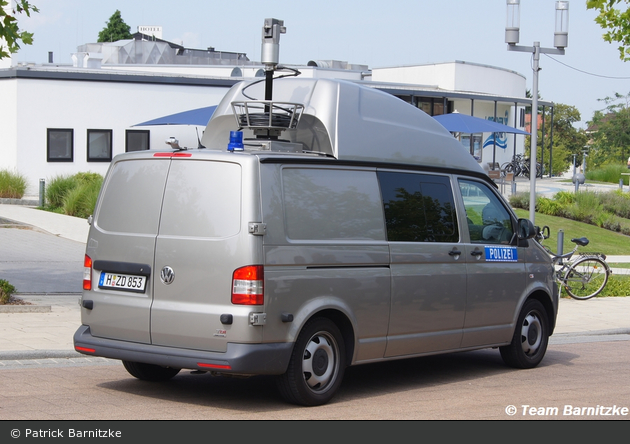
346 121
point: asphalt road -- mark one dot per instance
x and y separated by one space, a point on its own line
37 262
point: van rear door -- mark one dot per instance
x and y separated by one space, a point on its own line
202 239
121 242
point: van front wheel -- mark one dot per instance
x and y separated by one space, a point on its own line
316 366
530 339
149 372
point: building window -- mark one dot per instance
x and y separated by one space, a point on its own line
136 140
60 145
99 145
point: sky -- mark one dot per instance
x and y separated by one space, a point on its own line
366 32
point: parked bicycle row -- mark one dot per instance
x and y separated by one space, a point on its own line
520 166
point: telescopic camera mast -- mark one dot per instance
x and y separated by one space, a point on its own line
270 53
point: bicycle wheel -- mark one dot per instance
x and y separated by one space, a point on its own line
525 170
586 278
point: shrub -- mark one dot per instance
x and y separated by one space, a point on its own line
608 173
617 203
74 195
564 197
519 200
88 178
618 285
6 291
81 200
57 189
12 185
585 208
548 206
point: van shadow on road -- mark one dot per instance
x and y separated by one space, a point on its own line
444 373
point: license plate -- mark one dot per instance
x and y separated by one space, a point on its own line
124 282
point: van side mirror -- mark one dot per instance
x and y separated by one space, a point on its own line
526 229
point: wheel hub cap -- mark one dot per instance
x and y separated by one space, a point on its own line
531 337
320 362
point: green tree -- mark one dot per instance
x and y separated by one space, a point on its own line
10 32
615 19
567 140
610 134
115 29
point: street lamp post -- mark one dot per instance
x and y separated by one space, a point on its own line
512 30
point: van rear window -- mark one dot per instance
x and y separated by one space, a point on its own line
132 195
202 199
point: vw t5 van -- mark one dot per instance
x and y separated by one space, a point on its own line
333 226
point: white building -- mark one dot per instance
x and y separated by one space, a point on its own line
61 119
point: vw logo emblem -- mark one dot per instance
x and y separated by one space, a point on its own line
167 275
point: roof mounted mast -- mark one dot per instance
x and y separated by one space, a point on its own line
270 53
268 119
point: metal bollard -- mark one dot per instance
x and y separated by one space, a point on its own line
621 184
42 192
560 244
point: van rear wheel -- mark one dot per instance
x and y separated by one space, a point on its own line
149 372
316 366
530 339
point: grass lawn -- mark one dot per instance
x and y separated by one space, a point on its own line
601 240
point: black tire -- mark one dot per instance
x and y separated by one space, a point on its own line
316 366
586 278
530 339
150 372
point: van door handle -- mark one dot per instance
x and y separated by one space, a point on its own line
476 253
454 253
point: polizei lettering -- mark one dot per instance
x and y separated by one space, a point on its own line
501 254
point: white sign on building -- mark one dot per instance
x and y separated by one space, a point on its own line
155 31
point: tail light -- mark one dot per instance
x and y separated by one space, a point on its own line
87 273
247 285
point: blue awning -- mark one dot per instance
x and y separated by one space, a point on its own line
199 116
462 123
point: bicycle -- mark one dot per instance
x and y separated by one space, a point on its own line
582 277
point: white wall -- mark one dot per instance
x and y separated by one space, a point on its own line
84 105
457 76
489 80
8 124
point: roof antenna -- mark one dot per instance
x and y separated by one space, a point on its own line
270 53
199 145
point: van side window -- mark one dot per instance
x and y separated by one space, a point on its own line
332 204
489 222
418 207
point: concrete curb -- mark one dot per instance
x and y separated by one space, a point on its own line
25 309
19 355
26 202
610 332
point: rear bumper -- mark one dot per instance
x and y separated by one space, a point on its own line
245 359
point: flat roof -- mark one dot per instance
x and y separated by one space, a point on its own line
70 73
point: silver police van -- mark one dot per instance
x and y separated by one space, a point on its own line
334 225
